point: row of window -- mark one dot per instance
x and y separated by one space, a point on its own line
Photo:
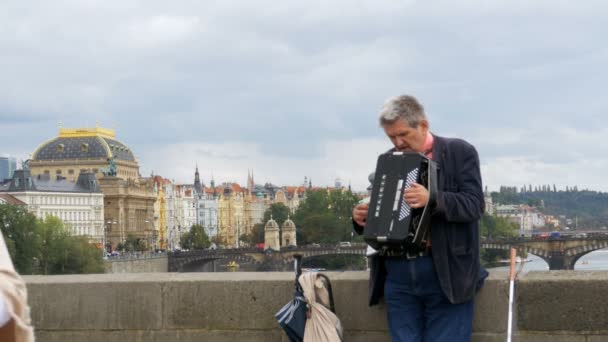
66 200
69 216
124 173
70 171
84 147
83 230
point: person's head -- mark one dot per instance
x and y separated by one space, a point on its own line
404 122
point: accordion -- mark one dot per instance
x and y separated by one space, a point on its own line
391 224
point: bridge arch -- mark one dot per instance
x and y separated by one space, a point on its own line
560 253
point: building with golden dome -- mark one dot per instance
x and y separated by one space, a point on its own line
128 201
82 149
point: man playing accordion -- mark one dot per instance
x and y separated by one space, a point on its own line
429 294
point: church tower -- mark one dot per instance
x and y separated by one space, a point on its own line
271 235
197 182
250 181
289 233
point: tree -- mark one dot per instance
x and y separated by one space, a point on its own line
45 246
20 229
54 246
196 238
325 217
492 228
61 253
132 244
255 236
279 213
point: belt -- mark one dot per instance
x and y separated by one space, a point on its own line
408 254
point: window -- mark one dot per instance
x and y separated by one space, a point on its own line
70 172
47 172
84 147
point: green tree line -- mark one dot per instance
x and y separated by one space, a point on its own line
45 246
590 208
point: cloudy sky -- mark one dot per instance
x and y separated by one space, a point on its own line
292 88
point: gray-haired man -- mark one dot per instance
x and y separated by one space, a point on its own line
430 298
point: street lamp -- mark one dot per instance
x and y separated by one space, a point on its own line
108 222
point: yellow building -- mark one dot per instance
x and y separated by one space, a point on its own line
231 215
161 213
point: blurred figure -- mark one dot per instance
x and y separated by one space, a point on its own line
15 323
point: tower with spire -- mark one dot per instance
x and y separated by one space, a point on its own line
250 182
197 181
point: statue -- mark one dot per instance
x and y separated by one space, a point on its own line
111 170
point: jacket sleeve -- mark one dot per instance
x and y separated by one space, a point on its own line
464 202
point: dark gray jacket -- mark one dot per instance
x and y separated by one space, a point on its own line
454 224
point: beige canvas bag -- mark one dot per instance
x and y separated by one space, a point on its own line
322 325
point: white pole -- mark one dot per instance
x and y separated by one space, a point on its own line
511 290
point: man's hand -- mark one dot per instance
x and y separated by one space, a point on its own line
360 213
416 196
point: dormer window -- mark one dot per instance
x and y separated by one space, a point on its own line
84 147
60 148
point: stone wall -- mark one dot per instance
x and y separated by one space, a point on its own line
218 307
143 265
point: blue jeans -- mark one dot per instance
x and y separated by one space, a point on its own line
417 309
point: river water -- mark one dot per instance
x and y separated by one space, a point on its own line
594 261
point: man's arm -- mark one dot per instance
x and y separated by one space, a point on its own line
467 204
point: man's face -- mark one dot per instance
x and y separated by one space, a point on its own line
406 138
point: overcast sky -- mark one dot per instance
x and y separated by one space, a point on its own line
290 89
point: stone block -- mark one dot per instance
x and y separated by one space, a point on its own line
94 302
235 303
488 337
94 336
492 304
350 291
562 301
566 337
218 336
367 336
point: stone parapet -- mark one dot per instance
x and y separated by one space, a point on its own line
217 307
137 265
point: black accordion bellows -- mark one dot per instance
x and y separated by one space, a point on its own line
391 223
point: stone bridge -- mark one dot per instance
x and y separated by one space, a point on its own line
279 260
560 253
